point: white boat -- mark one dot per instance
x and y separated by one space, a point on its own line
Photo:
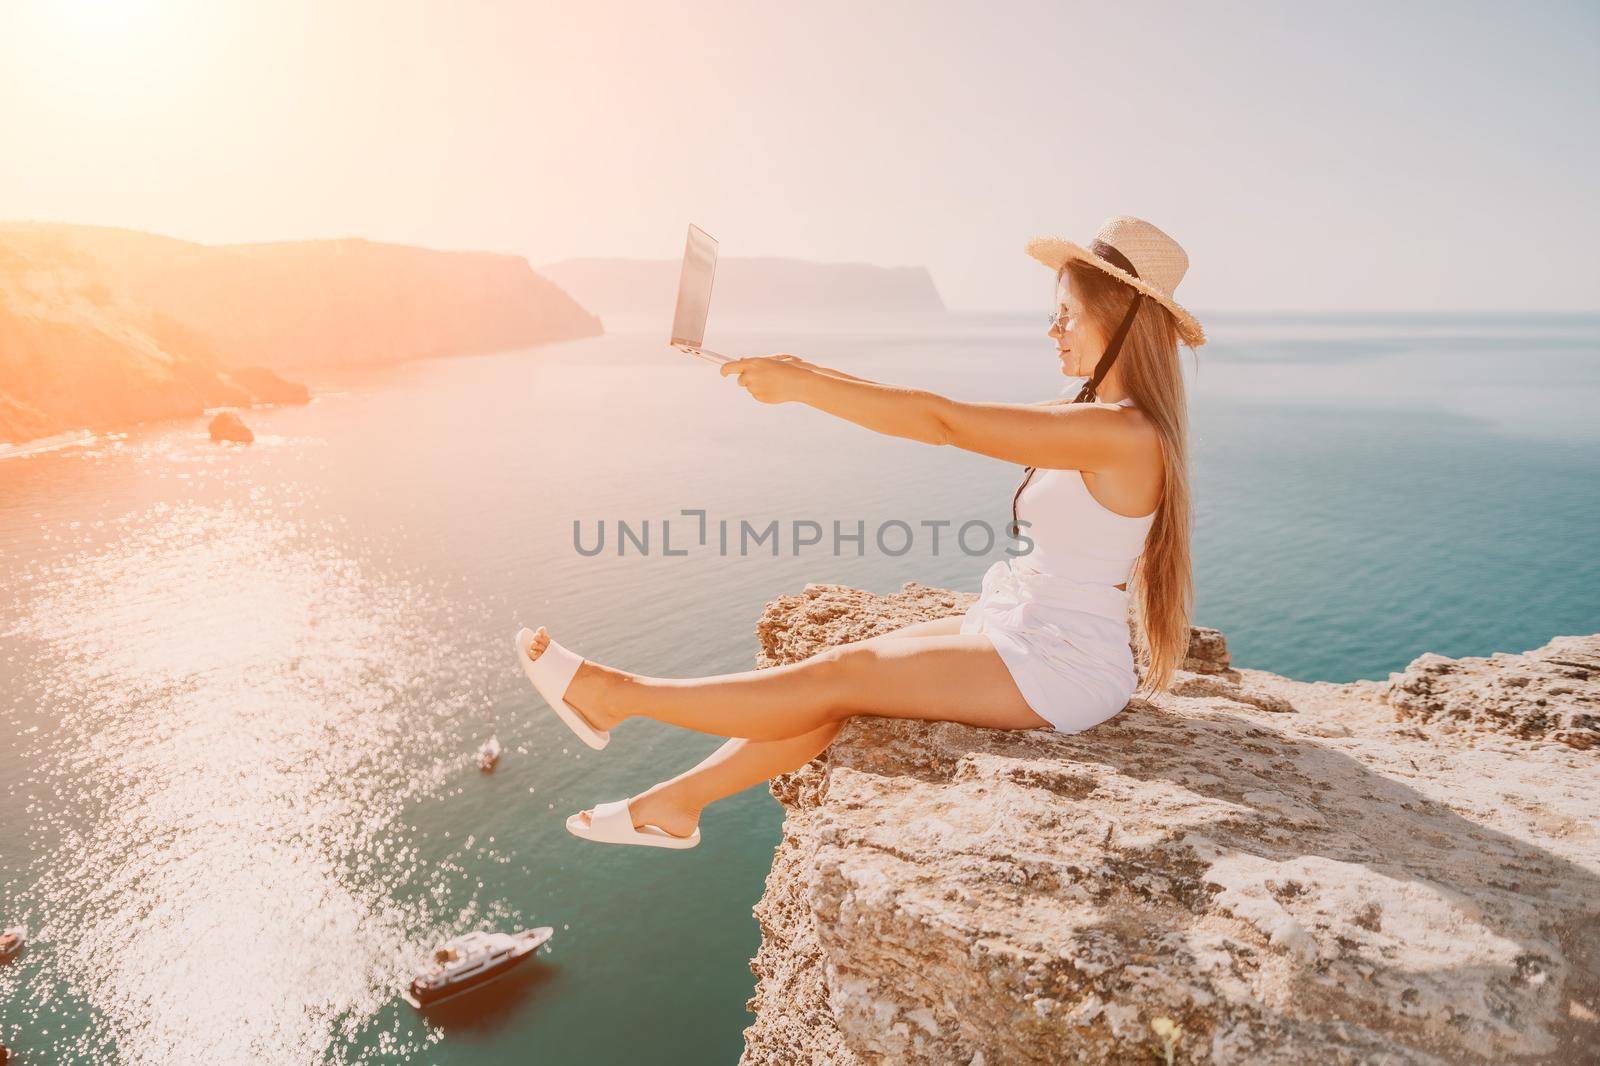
11 940
489 754
471 961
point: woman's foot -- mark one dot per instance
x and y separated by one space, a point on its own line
657 806
586 690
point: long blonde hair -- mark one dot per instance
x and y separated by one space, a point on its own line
1162 583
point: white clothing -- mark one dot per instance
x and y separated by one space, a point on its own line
1055 615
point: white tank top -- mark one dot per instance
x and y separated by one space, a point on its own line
1076 536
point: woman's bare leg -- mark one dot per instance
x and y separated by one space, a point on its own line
675 805
956 677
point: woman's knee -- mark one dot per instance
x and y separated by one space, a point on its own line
849 674
830 673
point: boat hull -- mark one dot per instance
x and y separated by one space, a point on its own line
529 942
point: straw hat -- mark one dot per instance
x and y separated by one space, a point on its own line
1136 253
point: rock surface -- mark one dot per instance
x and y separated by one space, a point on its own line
1546 694
228 426
1287 872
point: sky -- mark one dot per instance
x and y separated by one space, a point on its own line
1358 156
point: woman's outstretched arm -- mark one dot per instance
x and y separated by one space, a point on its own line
1053 436
828 370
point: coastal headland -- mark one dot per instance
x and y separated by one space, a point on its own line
103 328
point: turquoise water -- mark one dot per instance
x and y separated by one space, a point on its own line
243 687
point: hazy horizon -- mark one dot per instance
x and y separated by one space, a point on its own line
1429 158
635 325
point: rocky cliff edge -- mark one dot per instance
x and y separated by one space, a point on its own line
1248 870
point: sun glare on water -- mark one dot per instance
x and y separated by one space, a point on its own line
224 726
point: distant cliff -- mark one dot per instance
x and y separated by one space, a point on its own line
105 327
642 292
1249 870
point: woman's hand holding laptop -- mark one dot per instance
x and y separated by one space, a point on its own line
772 378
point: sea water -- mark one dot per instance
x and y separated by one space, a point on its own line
243 687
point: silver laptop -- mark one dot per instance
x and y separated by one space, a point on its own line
694 296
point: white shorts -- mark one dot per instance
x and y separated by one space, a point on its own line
1065 642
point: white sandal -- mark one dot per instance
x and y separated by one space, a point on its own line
551 673
612 824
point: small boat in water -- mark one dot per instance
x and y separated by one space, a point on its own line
489 754
471 961
11 940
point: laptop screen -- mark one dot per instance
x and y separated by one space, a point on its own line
694 288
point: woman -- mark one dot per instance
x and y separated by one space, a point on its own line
1047 644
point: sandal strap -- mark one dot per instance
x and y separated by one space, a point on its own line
554 670
612 819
